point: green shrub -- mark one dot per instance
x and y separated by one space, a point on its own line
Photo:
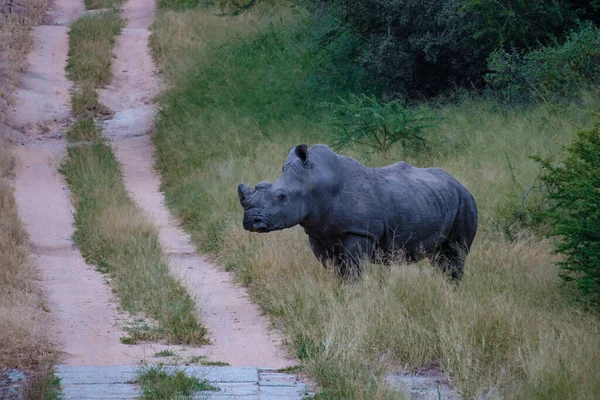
378 126
425 48
551 72
574 191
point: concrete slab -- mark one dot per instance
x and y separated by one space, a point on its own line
235 383
130 123
283 392
92 392
222 374
92 375
278 379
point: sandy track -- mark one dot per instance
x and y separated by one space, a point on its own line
241 335
85 321
84 315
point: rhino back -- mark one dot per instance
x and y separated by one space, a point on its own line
400 205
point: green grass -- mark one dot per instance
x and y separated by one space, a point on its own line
91 40
84 130
243 92
43 385
214 363
101 4
113 233
164 353
158 383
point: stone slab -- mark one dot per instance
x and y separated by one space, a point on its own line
130 123
278 379
100 391
86 375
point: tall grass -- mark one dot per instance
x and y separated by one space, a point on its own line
244 91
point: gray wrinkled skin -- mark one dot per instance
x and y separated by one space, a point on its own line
353 214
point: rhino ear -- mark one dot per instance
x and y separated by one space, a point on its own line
302 153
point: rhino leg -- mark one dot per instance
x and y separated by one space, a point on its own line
451 259
354 252
347 257
324 255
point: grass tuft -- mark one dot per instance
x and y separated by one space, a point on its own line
158 383
102 4
164 353
214 363
91 40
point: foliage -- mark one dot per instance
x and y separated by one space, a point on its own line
426 48
552 72
365 121
520 24
575 210
413 47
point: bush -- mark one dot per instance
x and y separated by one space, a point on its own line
574 192
426 48
556 71
365 121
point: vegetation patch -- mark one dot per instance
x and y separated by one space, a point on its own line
44 384
101 4
113 233
244 91
164 353
91 40
214 363
158 383
23 320
15 43
574 198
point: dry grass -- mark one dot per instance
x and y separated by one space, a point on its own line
91 40
23 320
114 234
510 328
15 43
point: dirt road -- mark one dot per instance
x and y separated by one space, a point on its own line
86 322
239 333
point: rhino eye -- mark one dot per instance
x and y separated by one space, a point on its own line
281 196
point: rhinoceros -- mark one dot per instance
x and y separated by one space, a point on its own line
353 214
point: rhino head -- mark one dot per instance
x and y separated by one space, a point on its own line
281 204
